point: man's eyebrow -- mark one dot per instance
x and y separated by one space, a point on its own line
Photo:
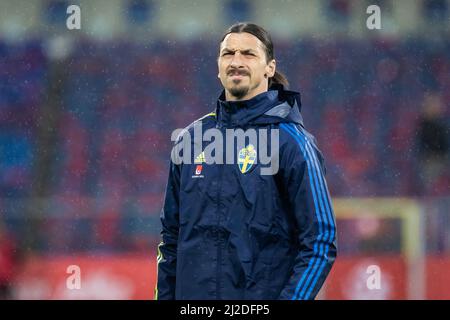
248 51
227 50
234 50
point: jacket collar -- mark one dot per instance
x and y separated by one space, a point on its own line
258 109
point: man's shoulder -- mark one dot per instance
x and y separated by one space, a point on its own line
294 134
205 121
294 138
207 117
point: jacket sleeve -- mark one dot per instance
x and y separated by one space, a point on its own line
309 199
167 248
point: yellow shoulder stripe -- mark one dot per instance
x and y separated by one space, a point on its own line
211 114
159 257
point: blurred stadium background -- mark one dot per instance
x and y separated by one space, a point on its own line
86 117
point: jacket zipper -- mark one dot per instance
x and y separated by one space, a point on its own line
218 233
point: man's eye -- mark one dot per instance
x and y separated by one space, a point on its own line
226 54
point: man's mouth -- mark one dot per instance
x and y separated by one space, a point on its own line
237 75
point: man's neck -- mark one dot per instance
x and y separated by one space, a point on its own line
248 96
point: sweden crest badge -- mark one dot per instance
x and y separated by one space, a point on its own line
246 158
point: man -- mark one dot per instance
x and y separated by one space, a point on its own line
433 145
230 232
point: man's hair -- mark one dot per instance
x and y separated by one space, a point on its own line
264 37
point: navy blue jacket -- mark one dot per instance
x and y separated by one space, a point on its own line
229 232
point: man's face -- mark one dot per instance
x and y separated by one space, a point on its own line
243 69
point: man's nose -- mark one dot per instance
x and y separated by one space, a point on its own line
237 59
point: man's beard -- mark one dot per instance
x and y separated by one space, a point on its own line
239 91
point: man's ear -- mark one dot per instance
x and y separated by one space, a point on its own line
270 68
